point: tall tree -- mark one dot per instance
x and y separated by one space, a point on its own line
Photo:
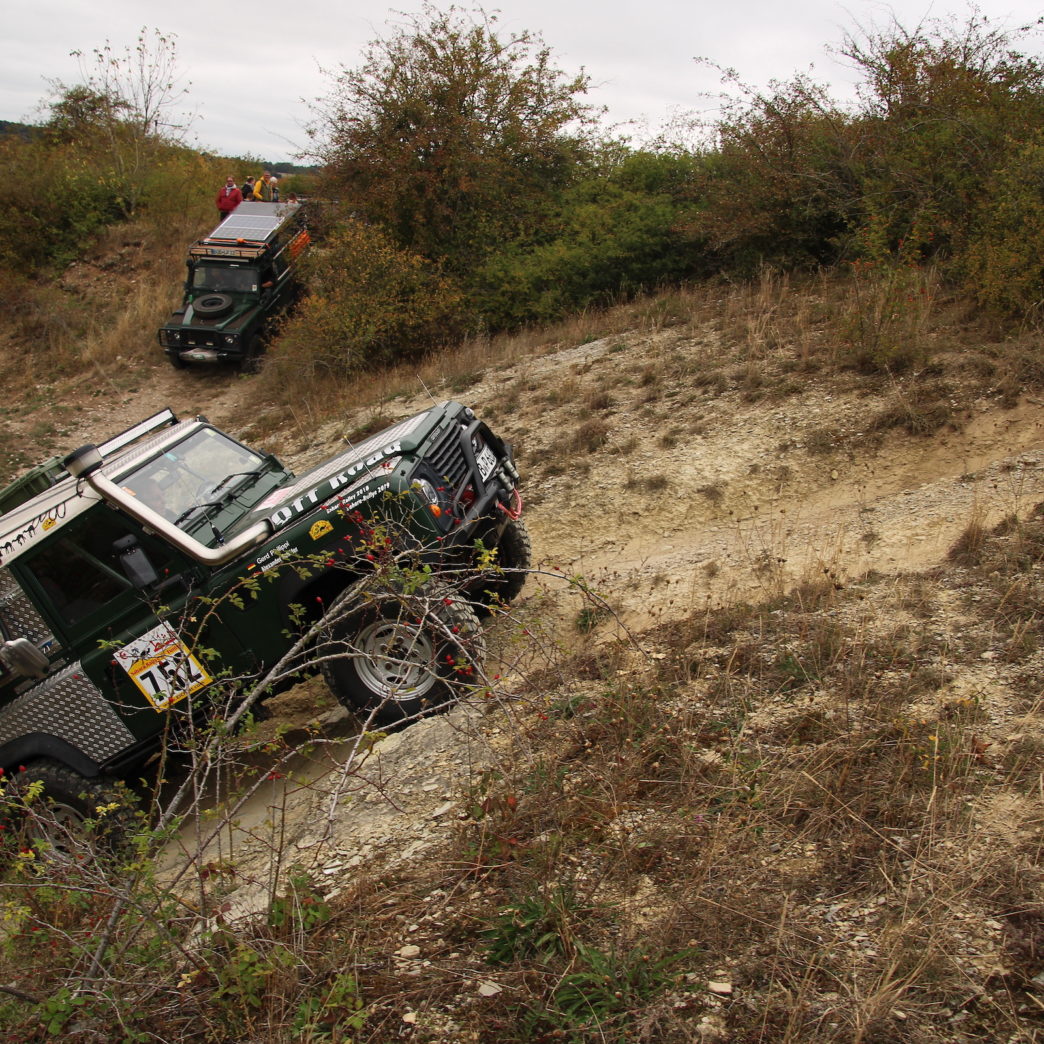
453 135
128 106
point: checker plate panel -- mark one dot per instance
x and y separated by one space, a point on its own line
67 705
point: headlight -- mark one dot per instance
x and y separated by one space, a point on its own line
430 494
426 490
230 339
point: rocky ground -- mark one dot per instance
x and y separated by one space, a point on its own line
671 480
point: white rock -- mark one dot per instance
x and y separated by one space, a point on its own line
489 989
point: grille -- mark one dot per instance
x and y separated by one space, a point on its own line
447 459
199 340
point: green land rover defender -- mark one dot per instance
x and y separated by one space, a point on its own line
240 278
141 577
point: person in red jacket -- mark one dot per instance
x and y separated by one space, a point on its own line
228 198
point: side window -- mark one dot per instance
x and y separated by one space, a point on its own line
78 573
74 580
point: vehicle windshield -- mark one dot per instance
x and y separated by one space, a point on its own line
207 471
224 279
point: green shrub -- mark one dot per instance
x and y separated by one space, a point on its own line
56 202
1004 262
369 303
615 233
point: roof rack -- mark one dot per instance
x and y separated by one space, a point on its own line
247 232
52 471
164 419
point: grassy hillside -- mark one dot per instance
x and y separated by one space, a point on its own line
759 754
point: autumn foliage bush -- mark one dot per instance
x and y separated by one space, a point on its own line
369 303
1003 265
937 162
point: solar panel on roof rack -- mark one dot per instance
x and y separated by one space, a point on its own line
246 226
254 220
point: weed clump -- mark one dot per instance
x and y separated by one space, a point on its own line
590 436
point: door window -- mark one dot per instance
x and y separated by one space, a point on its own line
77 574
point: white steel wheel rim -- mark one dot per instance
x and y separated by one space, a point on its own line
67 828
396 661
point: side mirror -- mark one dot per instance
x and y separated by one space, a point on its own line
24 658
135 563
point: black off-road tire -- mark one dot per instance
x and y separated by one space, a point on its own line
402 656
251 359
64 821
503 584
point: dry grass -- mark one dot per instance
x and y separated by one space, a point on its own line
590 436
829 801
790 798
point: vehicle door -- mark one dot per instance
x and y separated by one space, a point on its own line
120 602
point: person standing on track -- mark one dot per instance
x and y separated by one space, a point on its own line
228 198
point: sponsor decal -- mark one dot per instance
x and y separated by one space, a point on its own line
161 666
276 497
344 506
387 458
270 559
41 524
320 529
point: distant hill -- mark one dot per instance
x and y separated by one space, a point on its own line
280 169
8 129
293 168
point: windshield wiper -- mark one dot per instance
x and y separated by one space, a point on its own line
190 511
220 501
193 508
238 474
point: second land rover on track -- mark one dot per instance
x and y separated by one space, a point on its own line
241 277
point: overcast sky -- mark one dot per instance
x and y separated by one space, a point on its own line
251 76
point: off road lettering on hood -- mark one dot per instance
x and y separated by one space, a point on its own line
332 485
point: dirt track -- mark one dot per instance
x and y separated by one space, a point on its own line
694 496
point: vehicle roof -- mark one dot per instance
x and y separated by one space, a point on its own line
254 223
24 525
